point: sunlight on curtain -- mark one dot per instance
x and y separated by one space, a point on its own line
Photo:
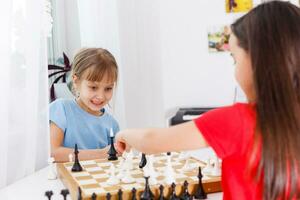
24 139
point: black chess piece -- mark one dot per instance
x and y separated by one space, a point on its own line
143 161
173 195
147 193
79 194
120 194
186 195
108 196
112 152
49 194
65 193
76 166
94 196
161 193
133 192
200 193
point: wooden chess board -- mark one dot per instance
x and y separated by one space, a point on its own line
95 173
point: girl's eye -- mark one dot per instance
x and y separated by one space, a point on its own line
108 89
93 87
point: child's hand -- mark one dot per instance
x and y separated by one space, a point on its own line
121 144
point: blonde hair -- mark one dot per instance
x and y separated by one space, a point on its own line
97 63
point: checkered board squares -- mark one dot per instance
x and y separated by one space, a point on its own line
96 172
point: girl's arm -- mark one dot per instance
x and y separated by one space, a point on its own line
181 137
61 154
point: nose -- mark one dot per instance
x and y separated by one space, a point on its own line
100 96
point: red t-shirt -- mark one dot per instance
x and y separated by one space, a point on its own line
230 132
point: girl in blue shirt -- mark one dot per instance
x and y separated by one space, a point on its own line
83 120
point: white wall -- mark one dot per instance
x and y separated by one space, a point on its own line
192 76
164 54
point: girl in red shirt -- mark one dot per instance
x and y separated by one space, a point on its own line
259 142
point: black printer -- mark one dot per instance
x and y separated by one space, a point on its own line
187 114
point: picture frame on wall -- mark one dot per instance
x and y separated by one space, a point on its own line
234 6
218 38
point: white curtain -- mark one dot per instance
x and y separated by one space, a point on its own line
99 27
24 141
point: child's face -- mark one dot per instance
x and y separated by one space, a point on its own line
243 68
94 95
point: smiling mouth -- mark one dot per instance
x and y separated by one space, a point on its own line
97 104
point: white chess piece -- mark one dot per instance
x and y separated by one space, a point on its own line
216 171
188 166
129 159
70 157
121 169
208 167
52 172
149 166
169 172
113 180
127 177
183 155
149 171
152 180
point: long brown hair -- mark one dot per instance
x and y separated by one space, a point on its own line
270 33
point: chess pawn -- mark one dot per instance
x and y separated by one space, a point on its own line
216 171
149 171
51 173
113 180
108 196
186 195
120 194
173 195
129 159
127 177
49 194
64 193
200 193
150 167
94 196
183 156
161 193
133 192
187 166
152 180
147 193
208 167
169 172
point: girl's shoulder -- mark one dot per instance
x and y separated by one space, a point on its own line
61 104
62 101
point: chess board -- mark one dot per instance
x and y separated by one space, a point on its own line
95 173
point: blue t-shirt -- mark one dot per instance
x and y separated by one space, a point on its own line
80 127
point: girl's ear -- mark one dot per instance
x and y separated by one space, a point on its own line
75 80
